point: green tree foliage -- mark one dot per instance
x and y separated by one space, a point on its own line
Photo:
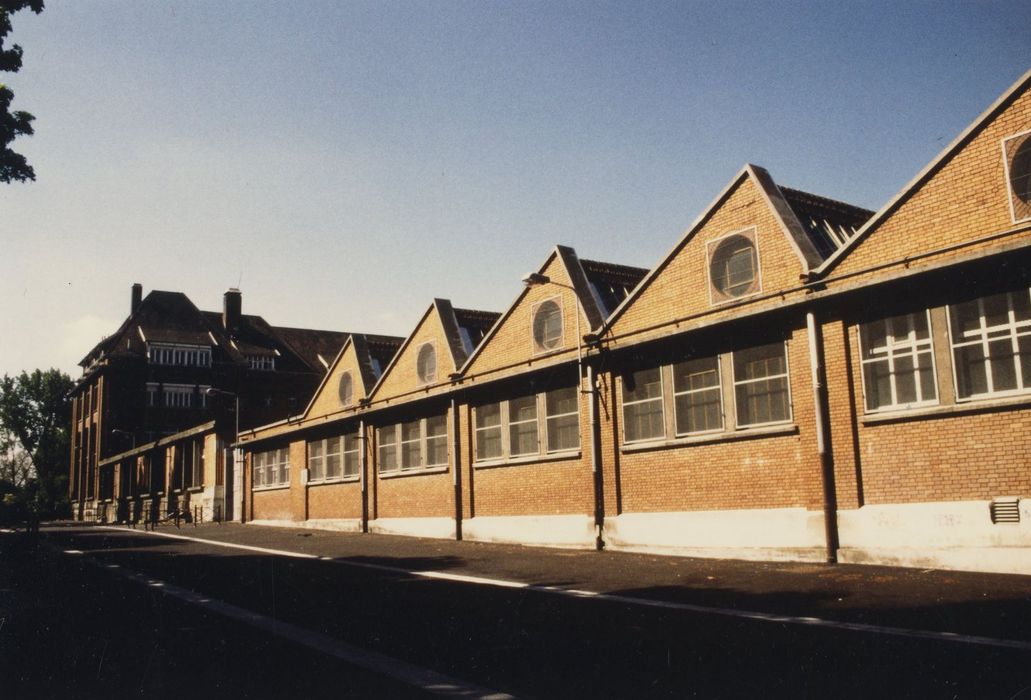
13 166
36 410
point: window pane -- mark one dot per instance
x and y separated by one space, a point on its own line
436 425
644 384
563 419
547 326
411 431
762 361
643 421
387 442
702 373
488 443
1003 363
488 414
411 455
333 466
561 401
764 401
436 450
877 383
522 418
905 381
699 411
971 375
522 409
966 321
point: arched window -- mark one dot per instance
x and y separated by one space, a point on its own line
1018 152
346 389
426 364
547 326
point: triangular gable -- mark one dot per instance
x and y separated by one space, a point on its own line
752 203
357 358
960 196
438 327
510 339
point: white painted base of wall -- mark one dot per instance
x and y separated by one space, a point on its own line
776 534
440 528
547 530
332 525
945 535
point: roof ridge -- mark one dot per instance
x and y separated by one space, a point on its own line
826 200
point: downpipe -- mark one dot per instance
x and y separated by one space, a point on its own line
830 510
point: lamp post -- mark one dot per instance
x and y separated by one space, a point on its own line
212 391
536 279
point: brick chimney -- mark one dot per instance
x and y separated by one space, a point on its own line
232 309
137 297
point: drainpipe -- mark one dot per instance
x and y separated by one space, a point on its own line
456 477
830 511
599 505
362 460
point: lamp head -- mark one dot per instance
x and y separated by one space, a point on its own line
534 279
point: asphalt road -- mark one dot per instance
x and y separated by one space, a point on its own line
96 612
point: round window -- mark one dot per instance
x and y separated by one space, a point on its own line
732 267
346 389
547 326
426 364
1020 172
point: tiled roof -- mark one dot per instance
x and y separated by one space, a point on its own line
828 223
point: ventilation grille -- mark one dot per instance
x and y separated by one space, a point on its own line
1005 510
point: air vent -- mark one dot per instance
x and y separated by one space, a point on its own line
1005 510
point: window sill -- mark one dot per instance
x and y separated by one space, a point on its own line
277 487
195 489
335 480
413 472
527 459
707 438
926 412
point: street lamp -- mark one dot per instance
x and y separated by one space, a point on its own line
212 391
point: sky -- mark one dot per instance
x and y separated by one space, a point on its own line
344 163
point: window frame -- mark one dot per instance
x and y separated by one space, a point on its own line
396 430
661 398
275 462
738 425
716 296
1011 195
560 343
1013 335
420 379
914 351
718 388
542 421
349 401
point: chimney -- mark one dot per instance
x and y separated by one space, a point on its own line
232 308
137 297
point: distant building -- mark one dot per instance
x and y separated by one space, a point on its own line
151 379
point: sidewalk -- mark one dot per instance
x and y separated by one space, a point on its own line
990 605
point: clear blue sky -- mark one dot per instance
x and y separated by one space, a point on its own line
344 162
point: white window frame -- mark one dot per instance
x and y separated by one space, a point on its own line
911 347
1015 330
540 349
261 363
716 297
718 388
661 398
179 354
787 380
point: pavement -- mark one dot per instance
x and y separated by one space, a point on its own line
543 622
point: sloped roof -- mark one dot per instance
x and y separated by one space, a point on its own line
474 326
611 283
828 223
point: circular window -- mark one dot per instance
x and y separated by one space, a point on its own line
733 266
1020 172
346 389
547 326
426 364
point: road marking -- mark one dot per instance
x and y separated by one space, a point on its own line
627 600
396 669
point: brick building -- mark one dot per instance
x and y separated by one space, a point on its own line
151 379
798 378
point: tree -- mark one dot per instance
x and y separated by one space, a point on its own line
36 410
13 166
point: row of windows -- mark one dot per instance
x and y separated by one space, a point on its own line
177 395
688 398
265 363
181 355
333 458
990 343
271 468
514 428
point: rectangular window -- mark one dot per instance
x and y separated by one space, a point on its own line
179 355
642 406
351 446
522 426
562 408
270 468
991 345
898 362
264 363
414 445
488 431
152 395
316 460
195 473
386 441
697 396
761 385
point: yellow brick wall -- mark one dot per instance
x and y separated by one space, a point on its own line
327 401
401 379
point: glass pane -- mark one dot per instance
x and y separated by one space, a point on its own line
564 433
411 455
971 368
489 414
644 384
436 450
764 401
877 383
643 421
928 388
1003 363
561 401
696 374
699 411
387 458
1022 304
996 310
411 431
522 409
966 321
1024 343
333 466
523 438
386 436
315 449
762 361
488 443
547 325
351 463
437 425
905 381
